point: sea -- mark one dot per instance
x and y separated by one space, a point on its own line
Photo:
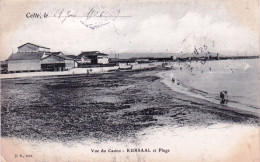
240 78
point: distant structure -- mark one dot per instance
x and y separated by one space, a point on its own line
173 57
31 57
4 67
91 59
117 61
94 57
57 61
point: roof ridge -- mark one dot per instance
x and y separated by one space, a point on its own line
33 44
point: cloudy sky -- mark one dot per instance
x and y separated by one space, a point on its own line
148 26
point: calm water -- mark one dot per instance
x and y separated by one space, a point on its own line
240 78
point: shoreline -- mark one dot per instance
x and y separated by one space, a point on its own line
145 102
223 139
220 106
180 86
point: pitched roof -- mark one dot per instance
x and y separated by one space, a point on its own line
26 56
86 58
65 57
34 45
61 56
57 53
91 53
73 56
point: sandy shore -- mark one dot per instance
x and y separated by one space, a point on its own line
121 111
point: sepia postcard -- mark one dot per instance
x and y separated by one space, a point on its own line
130 80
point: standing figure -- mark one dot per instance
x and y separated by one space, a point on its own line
224 97
173 80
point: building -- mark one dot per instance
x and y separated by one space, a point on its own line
29 47
95 57
31 57
143 60
4 67
25 62
85 60
57 61
81 60
117 61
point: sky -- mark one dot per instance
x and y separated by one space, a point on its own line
147 26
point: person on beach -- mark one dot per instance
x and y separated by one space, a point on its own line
191 69
231 70
224 97
173 80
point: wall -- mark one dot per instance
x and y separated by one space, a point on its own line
75 64
102 60
69 64
52 60
24 65
44 49
84 60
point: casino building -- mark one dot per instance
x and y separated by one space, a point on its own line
31 57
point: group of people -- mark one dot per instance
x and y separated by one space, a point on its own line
223 94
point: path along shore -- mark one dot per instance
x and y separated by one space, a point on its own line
73 71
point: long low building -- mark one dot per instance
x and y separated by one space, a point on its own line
25 61
31 57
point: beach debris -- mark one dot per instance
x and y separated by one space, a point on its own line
203 61
246 67
224 97
5 108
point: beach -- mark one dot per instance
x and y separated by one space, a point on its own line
121 110
240 78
